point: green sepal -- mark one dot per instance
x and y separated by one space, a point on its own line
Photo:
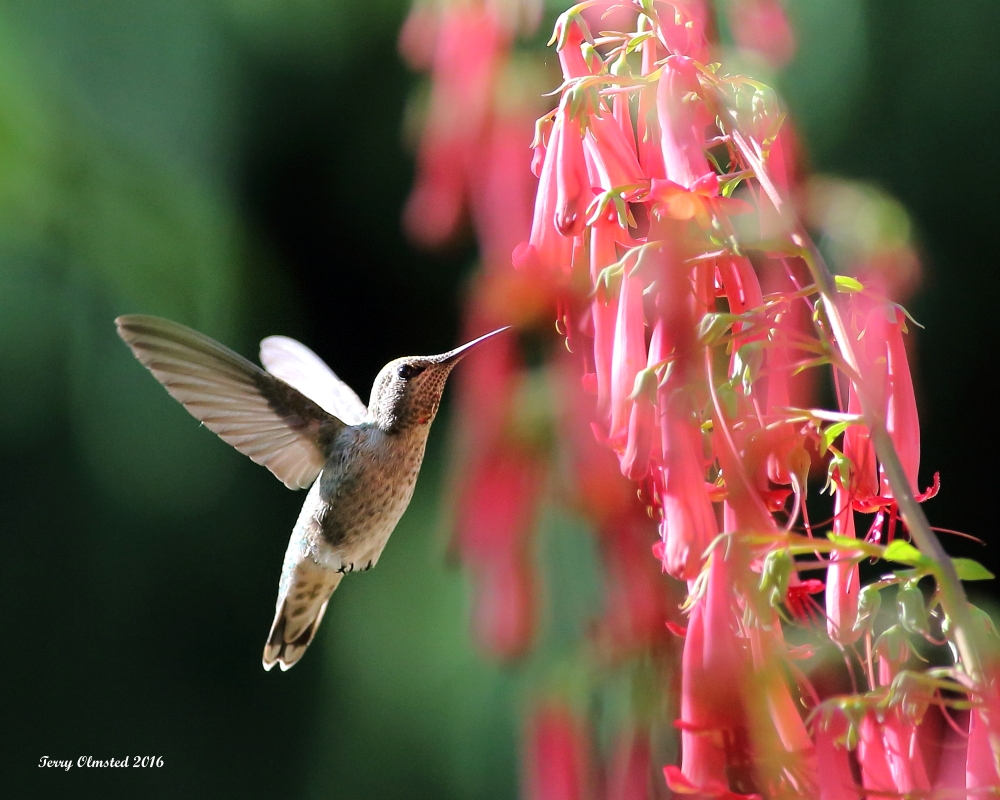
713 327
869 603
728 186
645 385
830 434
912 611
636 40
747 363
775 575
893 644
840 465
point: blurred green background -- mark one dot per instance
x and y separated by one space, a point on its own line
237 165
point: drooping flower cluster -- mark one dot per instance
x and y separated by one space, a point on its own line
667 229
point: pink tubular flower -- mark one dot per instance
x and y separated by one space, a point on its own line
434 209
547 250
604 312
642 441
573 192
504 603
688 524
683 118
860 452
569 34
563 196
743 293
833 763
610 154
980 763
842 582
647 123
628 355
883 363
779 736
897 728
901 406
557 745
713 686
875 773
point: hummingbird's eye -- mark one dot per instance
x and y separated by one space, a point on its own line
407 371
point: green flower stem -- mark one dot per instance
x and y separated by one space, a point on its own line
954 603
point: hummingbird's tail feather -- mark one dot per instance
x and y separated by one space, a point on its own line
297 619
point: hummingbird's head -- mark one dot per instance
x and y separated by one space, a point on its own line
407 392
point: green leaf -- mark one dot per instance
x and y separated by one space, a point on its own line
969 570
847 285
904 553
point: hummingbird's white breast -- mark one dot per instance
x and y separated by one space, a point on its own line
358 498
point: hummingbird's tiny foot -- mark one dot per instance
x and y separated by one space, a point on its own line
368 567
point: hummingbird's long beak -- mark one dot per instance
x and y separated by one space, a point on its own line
454 356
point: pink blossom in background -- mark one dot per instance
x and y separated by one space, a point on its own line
557 761
466 52
629 774
495 515
761 25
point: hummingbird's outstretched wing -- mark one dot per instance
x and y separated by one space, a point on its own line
257 413
300 367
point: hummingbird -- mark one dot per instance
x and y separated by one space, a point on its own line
310 429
